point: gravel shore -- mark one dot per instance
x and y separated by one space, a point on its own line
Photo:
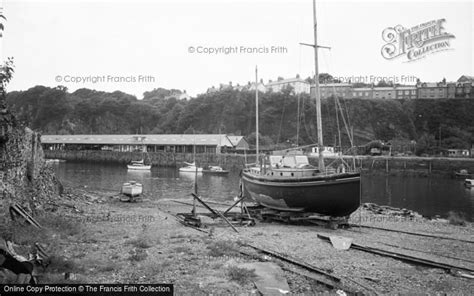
143 242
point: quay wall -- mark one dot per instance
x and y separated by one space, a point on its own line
368 164
409 165
161 159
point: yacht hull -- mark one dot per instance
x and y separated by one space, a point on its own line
335 195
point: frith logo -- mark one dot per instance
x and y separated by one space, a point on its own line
417 42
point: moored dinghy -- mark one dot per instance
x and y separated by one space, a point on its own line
215 170
463 174
138 165
469 183
190 167
130 190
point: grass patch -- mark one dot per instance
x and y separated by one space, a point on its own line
223 248
137 255
141 242
56 278
154 268
178 236
182 249
108 267
59 264
456 218
23 234
241 275
59 224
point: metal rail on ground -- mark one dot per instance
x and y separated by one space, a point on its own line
413 233
404 257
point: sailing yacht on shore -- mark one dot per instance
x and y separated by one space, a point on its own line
286 181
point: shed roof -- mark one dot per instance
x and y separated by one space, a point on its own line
154 139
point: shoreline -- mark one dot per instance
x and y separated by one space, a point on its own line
142 242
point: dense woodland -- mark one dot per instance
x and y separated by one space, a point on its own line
433 124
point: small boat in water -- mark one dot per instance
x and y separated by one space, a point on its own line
139 165
463 174
469 183
190 168
215 170
132 189
54 160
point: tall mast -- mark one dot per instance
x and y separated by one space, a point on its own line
316 92
256 112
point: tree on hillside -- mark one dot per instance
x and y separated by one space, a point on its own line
6 74
327 78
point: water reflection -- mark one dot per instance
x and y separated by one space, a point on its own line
429 196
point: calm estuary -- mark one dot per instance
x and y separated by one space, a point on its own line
428 196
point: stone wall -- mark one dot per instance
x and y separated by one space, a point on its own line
162 159
378 164
410 165
25 178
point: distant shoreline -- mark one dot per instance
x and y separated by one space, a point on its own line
370 164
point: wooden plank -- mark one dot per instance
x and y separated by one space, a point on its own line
204 204
214 212
188 225
232 206
20 211
270 280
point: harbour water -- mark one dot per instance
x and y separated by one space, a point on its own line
430 196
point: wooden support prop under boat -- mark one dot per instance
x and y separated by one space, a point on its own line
215 212
266 214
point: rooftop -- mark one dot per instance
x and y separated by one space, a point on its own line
289 80
154 139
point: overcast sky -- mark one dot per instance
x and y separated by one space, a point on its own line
53 42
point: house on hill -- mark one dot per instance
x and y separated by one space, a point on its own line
466 78
297 84
464 87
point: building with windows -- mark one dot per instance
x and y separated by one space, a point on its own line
297 85
384 93
342 90
260 86
406 92
463 88
362 93
209 143
239 142
432 90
